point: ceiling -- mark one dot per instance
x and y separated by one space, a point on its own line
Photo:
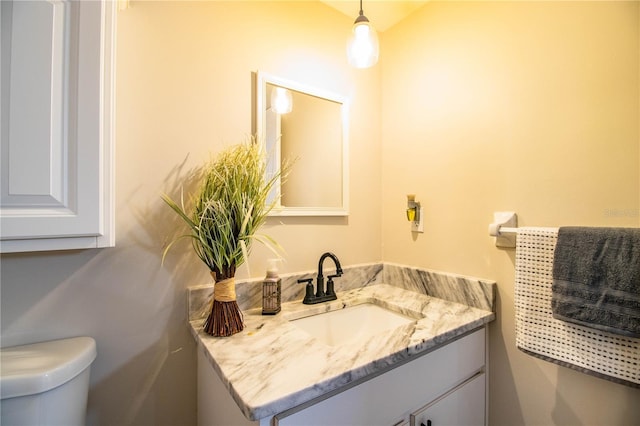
381 13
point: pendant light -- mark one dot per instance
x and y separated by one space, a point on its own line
363 47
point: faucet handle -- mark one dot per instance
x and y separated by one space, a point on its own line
330 289
308 296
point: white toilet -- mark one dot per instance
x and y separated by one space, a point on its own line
46 383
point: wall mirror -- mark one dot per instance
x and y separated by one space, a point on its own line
308 127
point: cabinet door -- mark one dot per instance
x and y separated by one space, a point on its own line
56 133
462 406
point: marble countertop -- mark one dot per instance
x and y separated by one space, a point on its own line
272 365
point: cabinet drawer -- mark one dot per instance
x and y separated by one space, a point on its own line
464 405
387 398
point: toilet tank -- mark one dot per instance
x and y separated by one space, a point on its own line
46 383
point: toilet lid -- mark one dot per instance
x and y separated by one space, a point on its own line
39 367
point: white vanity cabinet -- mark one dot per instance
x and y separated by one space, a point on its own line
437 386
57 125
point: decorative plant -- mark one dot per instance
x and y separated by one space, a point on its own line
227 211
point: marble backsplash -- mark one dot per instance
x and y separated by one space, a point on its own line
476 292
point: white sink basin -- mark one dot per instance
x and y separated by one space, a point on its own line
351 324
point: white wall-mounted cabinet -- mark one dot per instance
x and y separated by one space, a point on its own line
57 82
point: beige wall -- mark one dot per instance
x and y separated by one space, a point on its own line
523 106
184 89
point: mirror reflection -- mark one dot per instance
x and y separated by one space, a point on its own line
305 126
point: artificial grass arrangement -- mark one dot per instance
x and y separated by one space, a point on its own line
227 211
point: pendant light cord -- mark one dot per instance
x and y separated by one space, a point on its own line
361 17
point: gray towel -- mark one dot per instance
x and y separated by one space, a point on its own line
596 278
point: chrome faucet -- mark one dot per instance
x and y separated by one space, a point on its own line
321 295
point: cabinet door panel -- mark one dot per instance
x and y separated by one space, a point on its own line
38 35
463 406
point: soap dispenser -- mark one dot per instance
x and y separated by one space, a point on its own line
271 289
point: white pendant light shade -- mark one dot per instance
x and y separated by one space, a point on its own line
363 48
281 100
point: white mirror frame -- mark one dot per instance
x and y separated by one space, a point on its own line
261 102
